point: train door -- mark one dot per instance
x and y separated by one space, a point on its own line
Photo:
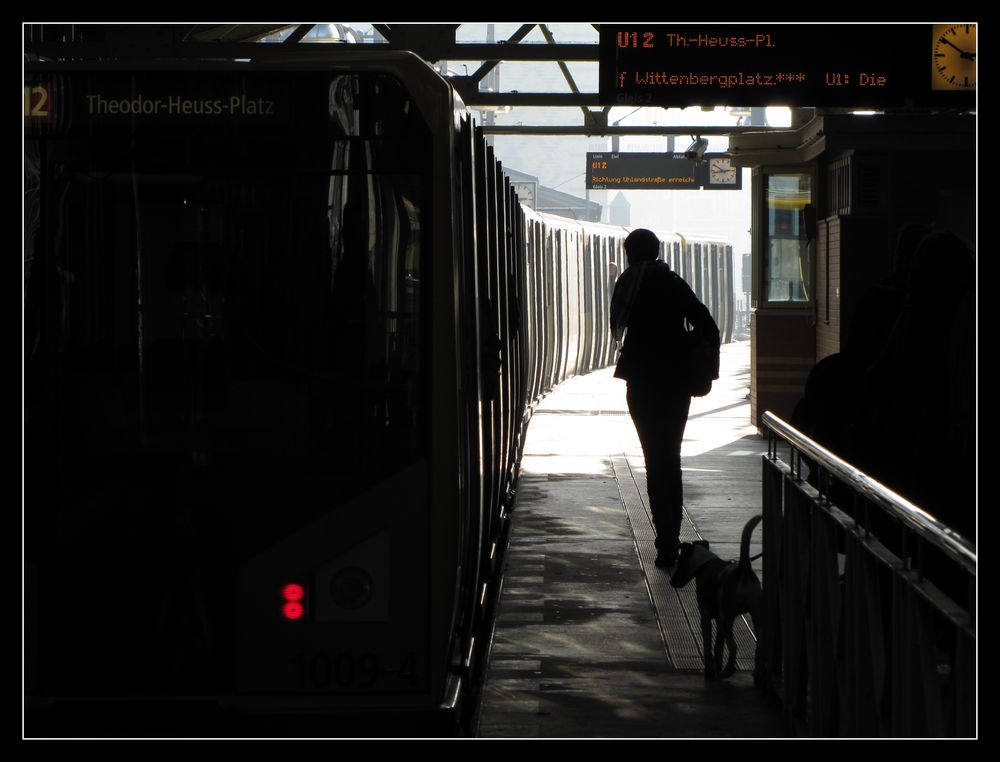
592 311
717 279
569 327
548 350
727 294
522 329
498 293
472 529
536 307
601 276
613 270
508 302
490 347
529 309
572 309
558 308
698 256
593 307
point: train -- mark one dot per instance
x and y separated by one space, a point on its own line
285 325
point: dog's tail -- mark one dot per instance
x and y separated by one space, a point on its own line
745 542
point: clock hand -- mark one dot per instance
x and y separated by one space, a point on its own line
964 54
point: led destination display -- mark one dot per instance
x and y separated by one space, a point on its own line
158 102
661 171
845 65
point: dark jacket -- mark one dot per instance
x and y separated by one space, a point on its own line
652 302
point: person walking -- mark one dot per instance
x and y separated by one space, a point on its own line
669 352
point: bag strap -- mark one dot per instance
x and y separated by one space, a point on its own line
630 296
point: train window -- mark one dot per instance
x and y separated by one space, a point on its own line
240 299
788 261
697 270
227 344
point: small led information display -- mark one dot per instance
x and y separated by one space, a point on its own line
661 171
835 65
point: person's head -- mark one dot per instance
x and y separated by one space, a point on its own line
642 245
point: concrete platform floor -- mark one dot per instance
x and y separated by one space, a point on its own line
591 641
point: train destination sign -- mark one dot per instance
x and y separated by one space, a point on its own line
834 65
56 104
661 171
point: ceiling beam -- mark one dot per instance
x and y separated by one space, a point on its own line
600 131
474 98
301 31
445 52
488 66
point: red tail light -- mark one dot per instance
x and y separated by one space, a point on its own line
292 594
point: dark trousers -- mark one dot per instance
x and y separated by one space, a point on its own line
660 415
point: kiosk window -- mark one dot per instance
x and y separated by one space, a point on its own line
788 263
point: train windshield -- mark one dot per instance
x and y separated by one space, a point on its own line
226 290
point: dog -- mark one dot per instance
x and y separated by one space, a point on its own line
725 589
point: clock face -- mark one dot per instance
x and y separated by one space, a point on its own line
721 172
525 193
953 57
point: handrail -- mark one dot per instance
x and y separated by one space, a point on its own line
948 540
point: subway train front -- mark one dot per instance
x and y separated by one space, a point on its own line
279 364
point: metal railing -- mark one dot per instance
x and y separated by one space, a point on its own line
869 602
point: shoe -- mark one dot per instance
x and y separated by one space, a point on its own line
666 557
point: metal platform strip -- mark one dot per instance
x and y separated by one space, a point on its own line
676 609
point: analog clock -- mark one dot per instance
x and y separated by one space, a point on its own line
953 57
525 193
721 172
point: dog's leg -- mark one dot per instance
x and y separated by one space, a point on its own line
722 628
726 637
706 645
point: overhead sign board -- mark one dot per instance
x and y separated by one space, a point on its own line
661 171
833 65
